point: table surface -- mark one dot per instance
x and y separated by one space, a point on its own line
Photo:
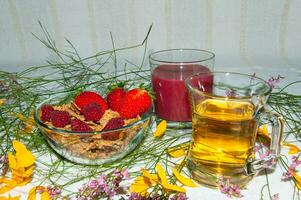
253 190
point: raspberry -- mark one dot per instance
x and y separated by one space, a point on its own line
46 112
80 126
60 118
92 112
114 123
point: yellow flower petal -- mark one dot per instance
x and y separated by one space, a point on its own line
19 146
27 129
6 184
2 101
45 196
173 187
18 171
297 180
140 185
182 179
29 120
23 172
161 128
176 153
29 171
10 198
12 162
153 177
23 156
32 193
22 180
263 133
293 149
265 130
161 173
25 159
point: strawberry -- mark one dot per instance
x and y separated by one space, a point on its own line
135 102
114 98
88 97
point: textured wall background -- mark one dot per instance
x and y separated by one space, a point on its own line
242 33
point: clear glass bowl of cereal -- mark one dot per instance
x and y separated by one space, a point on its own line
90 144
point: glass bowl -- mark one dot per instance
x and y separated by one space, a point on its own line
92 148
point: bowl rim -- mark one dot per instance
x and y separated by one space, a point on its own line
37 119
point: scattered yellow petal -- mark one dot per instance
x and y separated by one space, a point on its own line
45 196
21 164
25 159
161 128
27 129
263 133
2 102
152 177
161 173
176 153
297 180
6 184
293 149
19 146
32 193
182 179
23 156
22 180
173 187
29 171
140 185
265 130
29 120
12 161
10 198
23 172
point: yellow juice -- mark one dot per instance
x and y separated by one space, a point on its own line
223 136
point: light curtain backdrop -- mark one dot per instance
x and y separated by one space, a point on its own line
249 35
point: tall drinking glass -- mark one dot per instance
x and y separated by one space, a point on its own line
225 119
170 68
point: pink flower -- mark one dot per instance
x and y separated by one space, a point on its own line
101 180
105 186
93 184
291 169
55 192
179 196
273 81
257 149
275 197
231 190
264 154
125 174
231 93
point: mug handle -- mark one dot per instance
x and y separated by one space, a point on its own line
269 162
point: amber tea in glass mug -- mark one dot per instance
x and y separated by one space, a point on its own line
225 120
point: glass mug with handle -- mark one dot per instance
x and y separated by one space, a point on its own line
225 120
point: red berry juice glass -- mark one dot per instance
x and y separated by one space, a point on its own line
170 68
